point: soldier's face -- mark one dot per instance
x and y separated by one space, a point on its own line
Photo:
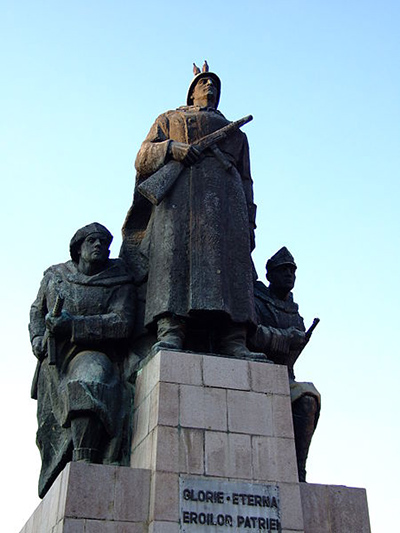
94 249
283 277
205 91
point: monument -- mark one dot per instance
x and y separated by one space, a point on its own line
215 434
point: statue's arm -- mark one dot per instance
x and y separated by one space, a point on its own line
153 153
278 343
115 324
37 324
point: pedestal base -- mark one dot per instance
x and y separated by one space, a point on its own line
220 425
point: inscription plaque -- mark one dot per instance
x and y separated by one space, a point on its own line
219 506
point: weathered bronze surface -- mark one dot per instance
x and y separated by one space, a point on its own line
184 280
189 234
79 326
282 336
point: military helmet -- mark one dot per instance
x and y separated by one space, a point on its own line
282 257
200 75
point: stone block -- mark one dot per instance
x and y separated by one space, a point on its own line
164 405
274 459
165 449
132 493
90 492
226 373
164 503
191 451
250 413
333 509
98 498
71 525
179 450
203 408
141 420
282 416
62 480
51 509
164 527
350 509
267 378
181 367
227 455
142 454
100 526
315 503
147 378
291 507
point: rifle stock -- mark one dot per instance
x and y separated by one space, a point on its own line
49 341
158 184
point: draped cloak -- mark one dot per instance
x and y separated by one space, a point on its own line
194 248
88 376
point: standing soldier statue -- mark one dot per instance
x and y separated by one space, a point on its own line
191 226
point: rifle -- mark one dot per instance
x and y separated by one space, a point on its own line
49 341
293 356
310 330
158 184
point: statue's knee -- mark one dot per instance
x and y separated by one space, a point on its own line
92 366
307 405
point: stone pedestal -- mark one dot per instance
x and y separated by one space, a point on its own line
94 499
201 421
334 509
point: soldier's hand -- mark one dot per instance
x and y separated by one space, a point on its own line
37 348
185 153
59 325
298 338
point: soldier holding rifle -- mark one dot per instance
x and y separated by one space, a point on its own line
79 326
191 226
281 335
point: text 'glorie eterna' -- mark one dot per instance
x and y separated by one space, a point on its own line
208 496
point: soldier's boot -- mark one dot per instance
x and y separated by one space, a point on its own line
88 438
305 416
170 334
233 342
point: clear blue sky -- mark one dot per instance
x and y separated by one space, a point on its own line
82 84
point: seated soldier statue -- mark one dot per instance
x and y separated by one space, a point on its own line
79 326
281 336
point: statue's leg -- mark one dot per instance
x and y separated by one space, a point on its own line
89 437
233 342
93 396
304 412
170 334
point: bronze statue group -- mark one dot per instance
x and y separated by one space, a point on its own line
184 281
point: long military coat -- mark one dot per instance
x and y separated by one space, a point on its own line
88 376
196 245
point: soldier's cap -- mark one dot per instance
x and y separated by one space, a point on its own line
282 257
81 235
213 76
